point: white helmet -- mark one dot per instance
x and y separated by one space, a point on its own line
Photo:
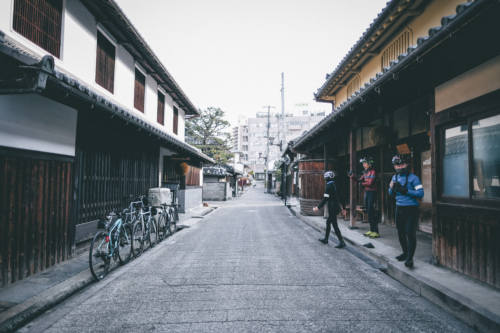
329 175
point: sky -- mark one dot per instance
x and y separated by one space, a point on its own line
231 53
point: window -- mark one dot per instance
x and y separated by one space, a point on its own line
305 113
176 119
353 86
245 139
40 22
486 157
399 46
105 63
160 116
245 148
456 163
139 91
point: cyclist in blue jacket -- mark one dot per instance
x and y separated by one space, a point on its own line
407 188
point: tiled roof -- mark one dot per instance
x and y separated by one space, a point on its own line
413 52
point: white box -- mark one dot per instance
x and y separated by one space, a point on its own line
162 196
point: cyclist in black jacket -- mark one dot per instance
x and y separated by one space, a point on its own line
331 197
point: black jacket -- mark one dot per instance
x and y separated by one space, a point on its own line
331 198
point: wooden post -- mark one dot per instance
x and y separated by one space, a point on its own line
353 186
434 157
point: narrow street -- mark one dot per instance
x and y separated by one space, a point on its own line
250 266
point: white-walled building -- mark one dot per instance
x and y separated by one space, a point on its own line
88 114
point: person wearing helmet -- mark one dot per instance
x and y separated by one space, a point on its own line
407 188
369 182
331 197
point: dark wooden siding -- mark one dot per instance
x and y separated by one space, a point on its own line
169 174
112 160
35 226
105 63
193 176
139 90
466 239
176 120
40 22
160 116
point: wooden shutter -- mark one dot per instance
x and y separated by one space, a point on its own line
193 176
140 87
160 117
105 66
176 119
40 22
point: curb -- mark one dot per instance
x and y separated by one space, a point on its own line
465 310
25 316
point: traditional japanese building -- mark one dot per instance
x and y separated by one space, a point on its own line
423 80
88 114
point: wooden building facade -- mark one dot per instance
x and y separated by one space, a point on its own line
423 81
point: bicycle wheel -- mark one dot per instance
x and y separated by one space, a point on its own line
173 222
153 232
162 228
125 244
137 239
98 256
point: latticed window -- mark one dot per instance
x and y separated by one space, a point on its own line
399 46
160 117
40 22
139 91
105 66
176 119
353 86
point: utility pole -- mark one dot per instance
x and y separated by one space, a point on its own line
283 136
267 145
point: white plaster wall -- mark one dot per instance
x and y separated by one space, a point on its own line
124 78
151 100
181 127
36 123
169 115
476 82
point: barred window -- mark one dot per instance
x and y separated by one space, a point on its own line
40 22
160 117
176 119
105 63
353 86
399 46
140 90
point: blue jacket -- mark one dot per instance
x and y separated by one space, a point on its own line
415 190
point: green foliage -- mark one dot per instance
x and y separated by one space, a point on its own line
277 171
208 131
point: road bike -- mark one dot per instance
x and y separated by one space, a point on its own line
167 221
144 230
115 243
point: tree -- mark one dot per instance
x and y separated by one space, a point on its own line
206 132
277 170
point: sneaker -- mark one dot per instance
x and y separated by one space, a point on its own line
341 245
374 235
324 241
367 234
409 264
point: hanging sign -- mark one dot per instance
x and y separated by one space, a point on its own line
403 149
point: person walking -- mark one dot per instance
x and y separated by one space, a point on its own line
407 188
331 197
369 182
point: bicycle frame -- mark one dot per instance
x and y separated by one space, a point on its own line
108 239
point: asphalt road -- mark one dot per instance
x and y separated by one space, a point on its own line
250 266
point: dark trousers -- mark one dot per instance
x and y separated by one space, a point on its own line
370 197
332 220
407 224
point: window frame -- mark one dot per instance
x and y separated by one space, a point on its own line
141 71
160 93
38 48
105 34
175 116
470 200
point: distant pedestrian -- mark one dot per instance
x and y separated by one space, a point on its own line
407 188
331 197
369 182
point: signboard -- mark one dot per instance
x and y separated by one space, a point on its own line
403 149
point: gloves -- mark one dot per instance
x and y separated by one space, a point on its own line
403 190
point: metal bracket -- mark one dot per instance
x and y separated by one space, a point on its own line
377 90
419 60
395 76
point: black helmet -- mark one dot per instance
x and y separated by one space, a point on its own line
398 159
367 160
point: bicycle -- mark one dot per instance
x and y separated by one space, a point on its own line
167 221
114 243
144 230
